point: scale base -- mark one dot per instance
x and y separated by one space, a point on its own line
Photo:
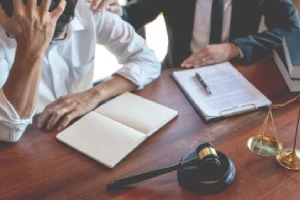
190 177
289 159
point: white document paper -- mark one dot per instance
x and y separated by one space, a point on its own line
231 92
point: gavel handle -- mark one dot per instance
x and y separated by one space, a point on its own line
140 177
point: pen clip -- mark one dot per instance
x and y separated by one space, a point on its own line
239 109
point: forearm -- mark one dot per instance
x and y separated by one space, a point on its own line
257 46
21 87
114 86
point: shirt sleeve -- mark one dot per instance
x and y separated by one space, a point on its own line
241 53
140 64
11 126
280 16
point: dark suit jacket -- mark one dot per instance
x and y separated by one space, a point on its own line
280 15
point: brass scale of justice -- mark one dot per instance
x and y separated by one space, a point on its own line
266 145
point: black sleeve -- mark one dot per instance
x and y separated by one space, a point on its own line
280 16
139 12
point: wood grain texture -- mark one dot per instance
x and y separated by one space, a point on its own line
40 167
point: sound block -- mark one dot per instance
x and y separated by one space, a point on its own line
197 182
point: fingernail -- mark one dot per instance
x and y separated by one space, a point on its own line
59 129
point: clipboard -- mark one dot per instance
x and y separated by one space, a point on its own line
223 73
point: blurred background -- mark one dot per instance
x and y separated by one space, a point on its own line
106 64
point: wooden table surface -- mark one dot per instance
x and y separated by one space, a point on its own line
40 167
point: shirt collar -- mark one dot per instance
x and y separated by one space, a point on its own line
76 24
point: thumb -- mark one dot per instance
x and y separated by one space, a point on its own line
116 9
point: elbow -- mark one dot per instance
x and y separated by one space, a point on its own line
11 134
15 137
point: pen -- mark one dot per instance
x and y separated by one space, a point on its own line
204 85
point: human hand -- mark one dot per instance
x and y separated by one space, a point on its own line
67 108
31 25
212 54
111 5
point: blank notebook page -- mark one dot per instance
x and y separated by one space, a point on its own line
141 114
101 138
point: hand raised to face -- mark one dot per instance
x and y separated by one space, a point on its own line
110 5
32 25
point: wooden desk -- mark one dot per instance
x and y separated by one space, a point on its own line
39 167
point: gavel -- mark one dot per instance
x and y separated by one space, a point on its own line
203 171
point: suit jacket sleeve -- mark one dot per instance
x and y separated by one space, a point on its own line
280 16
139 12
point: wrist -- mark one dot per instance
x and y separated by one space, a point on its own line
31 48
24 52
234 51
95 94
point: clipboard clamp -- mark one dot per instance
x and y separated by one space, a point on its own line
238 109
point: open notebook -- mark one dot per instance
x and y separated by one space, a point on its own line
231 94
109 133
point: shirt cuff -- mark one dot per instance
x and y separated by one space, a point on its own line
241 53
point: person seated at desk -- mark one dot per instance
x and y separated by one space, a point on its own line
46 62
203 32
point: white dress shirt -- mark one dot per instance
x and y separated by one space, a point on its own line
68 65
201 31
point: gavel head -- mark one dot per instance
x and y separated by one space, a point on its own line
207 161
206 170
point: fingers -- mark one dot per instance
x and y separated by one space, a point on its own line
59 9
69 117
48 111
116 9
45 4
57 114
31 5
65 109
197 59
18 5
95 4
46 114
106 3
55 108
111 5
